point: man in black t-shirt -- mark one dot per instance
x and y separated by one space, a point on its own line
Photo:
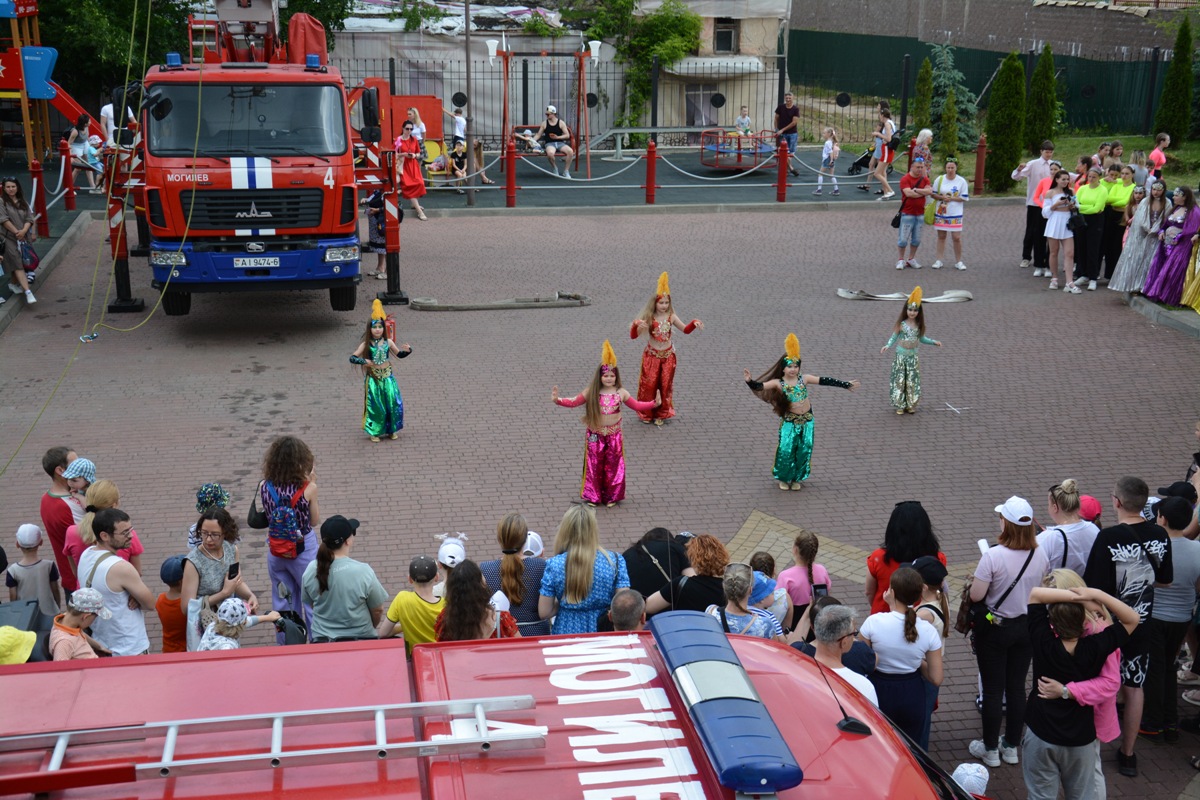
787 126
1060 733
1126 561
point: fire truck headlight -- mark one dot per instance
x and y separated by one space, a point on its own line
168 258
342 253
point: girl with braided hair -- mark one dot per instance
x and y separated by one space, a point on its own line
801 579
786 390
909 650
383 408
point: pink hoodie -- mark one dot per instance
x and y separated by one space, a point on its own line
1100 692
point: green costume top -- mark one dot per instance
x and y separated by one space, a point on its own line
909 334
797 393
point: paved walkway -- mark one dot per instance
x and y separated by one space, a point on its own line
1043 386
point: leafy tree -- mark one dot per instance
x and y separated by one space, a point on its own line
923 97
948 125
946 79
415 13
671 32
1041 106
93 39
1175 103
1006 122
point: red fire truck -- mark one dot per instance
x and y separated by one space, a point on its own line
243 172
681 711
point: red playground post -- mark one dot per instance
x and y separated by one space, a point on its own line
510 174
651 171
781 184
37 182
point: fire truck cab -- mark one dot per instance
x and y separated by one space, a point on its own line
681 711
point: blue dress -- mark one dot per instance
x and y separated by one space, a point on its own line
608 574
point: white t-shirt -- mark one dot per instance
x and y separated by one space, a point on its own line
955 188
1080 538
419 131
860 682
460 127
999 566
897 656
108 124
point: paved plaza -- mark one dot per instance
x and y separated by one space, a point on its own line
1031 387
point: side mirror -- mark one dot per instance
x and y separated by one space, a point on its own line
124 137
161 109
370 108
370 134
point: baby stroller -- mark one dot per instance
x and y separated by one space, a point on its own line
863 161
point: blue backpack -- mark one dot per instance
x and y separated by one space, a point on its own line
284 537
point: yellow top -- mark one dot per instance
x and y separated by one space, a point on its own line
663 287
607 357
791 347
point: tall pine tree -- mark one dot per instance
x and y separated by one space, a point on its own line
946 79
948 125
1041 106
1175 103
923 96
1006 122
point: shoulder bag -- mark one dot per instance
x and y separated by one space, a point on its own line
931 204
972 615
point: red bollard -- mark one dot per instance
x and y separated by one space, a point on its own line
510 176
64 152
38 186
980 161
781 185
651 171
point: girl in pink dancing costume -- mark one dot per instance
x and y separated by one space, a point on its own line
604 455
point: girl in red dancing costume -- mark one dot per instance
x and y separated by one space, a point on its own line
604 456
658 359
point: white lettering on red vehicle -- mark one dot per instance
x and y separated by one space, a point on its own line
613 672
187 177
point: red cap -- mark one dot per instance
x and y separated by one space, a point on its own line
1089 508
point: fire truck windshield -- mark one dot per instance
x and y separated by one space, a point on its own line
246 119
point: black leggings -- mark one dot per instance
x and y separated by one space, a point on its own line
1034 247
1088 243
1003 653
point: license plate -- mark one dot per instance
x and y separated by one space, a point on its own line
243 262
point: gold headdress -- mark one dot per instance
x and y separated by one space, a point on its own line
914 299
377 311
791 349
608 359
664 290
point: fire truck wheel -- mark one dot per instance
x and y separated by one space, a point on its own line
177 304
342 298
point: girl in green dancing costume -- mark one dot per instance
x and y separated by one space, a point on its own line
908 334
786 389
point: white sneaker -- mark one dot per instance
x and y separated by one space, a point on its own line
988 757
1079 281
566 173
29 298
1073 289
12 287
936 265
888 196
1008 752
1091 286
900 264
3 300
1037 273
1024 263
961 266
912 262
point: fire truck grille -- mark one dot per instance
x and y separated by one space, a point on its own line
217 209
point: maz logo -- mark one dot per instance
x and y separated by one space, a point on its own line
253 213
255 247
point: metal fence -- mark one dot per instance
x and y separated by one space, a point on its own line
688 94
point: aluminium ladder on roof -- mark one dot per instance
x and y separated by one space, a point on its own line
54 776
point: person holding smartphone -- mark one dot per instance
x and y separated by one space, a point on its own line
211 571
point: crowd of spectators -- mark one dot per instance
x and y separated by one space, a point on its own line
1077 611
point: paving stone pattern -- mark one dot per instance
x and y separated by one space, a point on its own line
1050 386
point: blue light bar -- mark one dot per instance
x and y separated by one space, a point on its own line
743 743
174 61
312 61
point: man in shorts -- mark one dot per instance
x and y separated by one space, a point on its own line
1126 561
787 126
914 190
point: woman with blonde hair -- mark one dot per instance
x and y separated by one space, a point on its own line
1006 574
517 574
737 614
1067 543
581 578
100 495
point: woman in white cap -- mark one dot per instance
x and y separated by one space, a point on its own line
1006 574
233 618
451 552
517 574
